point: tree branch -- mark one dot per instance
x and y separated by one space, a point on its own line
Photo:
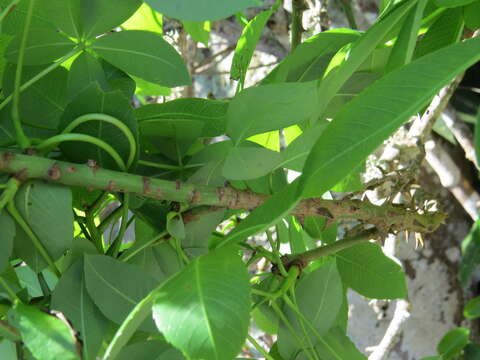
386 218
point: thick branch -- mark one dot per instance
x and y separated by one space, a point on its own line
387 218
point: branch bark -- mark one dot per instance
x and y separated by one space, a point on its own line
386 218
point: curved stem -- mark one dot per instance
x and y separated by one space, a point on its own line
35 240
22 139
115 247
41 74
9 290
9 192
55 140
111 120
260 349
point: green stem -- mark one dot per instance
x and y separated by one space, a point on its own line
298 6
388 217
260 349
348 10
8 9
322 251
22 139
276 253
113 216
8 289
9 193
36 242
54 141
111 120
166 166
41 74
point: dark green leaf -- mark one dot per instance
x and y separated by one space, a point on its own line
88 18
380 110
336 345
71 298
369 272
41 204
250 162
187 118
14 23
198 231
7 235
47 337
118 79
84 71
43 47
470 254
471 352
472 309
42 104
96 100
446 30
194 10
477 136
116 287
471 15
150 350
246 45
453 342
204 309
319 296
144 54
270 107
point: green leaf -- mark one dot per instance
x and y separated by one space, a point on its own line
6 239
116 287
42 104
404 47
319 296
71 298
452 3
270 107
184 118
199 31
198 232
145 18
40 204
446 30
204 310
471 352
472 309
84 71
373 115
149 350
14 23
453 342
43 47
195 10
96 100
336 345
88 18
471 15
310 59
144 54
47 337
477 136
146 88
246 45
470 254
350 57
369 272
8 350
250 162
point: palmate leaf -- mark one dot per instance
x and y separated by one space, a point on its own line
372 116
204 310
144 54
87 18
200 10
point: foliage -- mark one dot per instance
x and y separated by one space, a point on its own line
74 286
